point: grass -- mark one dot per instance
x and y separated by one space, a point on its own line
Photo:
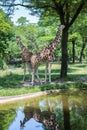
11 79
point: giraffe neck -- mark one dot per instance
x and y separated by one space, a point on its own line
58 36
53 45
21 46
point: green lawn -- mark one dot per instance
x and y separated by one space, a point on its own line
11 80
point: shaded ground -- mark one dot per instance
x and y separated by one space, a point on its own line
59 81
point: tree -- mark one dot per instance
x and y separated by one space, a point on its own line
66 10
73 40
82 31
73 49
28 33
5 33
22 21
79 31
83 48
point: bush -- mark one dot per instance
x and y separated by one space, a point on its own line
3 65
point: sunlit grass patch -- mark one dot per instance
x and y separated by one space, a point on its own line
18 91
77 69
11 80
26 90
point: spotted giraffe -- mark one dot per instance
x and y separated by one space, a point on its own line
46 55
26 55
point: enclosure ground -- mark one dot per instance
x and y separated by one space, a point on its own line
5 99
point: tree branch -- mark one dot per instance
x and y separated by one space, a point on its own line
67 13
27 6
77 13
59 9
11 5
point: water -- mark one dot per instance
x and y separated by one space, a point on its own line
66 111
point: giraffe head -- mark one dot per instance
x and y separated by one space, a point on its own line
61 27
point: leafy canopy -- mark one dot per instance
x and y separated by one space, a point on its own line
5 32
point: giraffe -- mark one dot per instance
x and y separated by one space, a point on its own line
48 119
26 55
46 56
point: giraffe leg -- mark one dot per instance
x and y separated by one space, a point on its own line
45 75
33 75
38 76
29 70
49 69
24 72
46 70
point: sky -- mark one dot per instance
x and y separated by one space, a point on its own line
29 125
23 12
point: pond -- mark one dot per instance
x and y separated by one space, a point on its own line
66 110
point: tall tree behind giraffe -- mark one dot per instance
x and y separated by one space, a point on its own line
46 55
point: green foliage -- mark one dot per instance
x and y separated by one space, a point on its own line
78 32
6 118
5 33
22 21
35 37
3 64
28 33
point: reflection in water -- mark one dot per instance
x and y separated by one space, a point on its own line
65 111
47 118
6 117
15 125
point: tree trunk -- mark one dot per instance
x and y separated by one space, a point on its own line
64 63
73 50
82 50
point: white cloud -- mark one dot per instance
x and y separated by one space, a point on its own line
23 12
